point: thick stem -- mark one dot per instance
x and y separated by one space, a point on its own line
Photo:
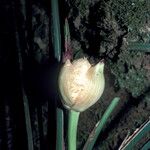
72 129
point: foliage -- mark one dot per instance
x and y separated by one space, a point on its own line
100 125
138 134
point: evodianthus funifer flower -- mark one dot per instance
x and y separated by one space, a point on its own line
81 84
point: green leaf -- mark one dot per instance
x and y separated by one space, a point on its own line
142 47
60 130
136 136
55 29
146 146
28 121
99 126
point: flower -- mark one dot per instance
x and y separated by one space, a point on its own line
81 84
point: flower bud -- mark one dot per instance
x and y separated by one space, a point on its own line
81 84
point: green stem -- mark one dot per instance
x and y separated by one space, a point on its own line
60 127
55 29
72 129
100 125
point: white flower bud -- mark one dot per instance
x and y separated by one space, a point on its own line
80 84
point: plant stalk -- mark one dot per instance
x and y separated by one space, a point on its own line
55 29
60 131
100 125
72 129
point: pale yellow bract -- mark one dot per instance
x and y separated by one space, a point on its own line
81 84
